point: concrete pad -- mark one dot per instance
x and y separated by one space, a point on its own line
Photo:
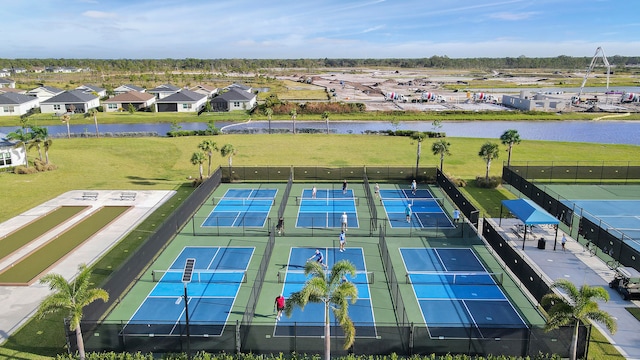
21 302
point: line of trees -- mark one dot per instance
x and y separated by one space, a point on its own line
255 65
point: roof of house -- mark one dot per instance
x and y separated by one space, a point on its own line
164 87
203 87
235 95
4 90
71 97
182 96
131 87
131 96
91 88
6 81
50 89
11 98
239 86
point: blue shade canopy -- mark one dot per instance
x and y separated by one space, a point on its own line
529 212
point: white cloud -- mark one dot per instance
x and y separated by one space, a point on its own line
98 14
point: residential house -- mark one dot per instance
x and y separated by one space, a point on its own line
74 101
234 100
10 154
239 87
45 92
210 91
93 89
121 102
17 104
122 89
7 83
183 101
163 91
5 90
5 73
18 70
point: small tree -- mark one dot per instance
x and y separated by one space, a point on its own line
198 158
579 307
71 297
510 138
395 123
208 146
441 147
419 137
131 109
24 139
293 114
325 117
488 152
94 112
228 150
330 290
436 124
38 137
269 112
66 118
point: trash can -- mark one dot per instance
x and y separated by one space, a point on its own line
541 243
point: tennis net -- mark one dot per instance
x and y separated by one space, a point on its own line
454 278
201 276
347 201
298 277
226 201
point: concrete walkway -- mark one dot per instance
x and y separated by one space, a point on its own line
579 266
21 302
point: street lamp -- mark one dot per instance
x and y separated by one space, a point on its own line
186 278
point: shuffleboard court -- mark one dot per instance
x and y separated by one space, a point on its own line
325 208
458 297
242 208
217 276
310 321
426 210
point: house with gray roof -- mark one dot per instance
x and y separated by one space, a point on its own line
163 91
45 92
102 92
7 83
210 91
74 101
239 87
182 101
234 100
138 100
128 87
12 103
10 154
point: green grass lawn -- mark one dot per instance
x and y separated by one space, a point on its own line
164 163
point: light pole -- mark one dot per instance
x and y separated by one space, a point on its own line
186 278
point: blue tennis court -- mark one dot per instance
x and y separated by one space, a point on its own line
325 209
310 322
242 208
620 216
457 296
426 211
218 274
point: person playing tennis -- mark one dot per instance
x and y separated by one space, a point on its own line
319 258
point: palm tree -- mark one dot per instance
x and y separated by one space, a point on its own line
509 138
579 307
39 136
329 289
441 147
419 136
228 150
66 118
488 152
269 113
293 114
208 146
71 297
94 112
325 117
197 159
23 139
47 145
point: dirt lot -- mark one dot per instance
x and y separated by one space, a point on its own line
369 86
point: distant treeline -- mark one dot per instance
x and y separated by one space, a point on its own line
254 65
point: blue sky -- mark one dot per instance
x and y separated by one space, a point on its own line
317 29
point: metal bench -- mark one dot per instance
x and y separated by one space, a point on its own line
128 196
89 195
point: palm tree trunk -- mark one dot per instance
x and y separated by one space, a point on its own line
68 130
95 121
209 168
486 176
441 161
26 156
574 342
80 342
509 155
418 157
201 172
327 333
327 120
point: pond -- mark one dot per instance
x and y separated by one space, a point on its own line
606 132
